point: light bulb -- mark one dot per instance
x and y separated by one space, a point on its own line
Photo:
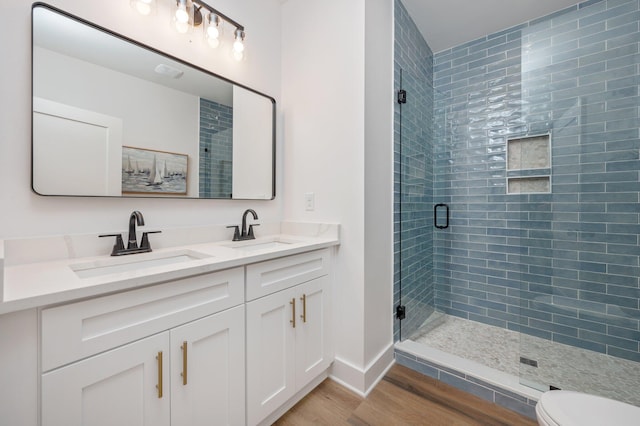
182 15
143 7
212 33
238 44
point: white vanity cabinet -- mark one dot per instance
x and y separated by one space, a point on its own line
117 387
288 341
148 357
231 347
208 378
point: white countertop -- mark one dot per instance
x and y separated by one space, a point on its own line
42 271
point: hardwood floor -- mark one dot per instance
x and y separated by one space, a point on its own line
403 397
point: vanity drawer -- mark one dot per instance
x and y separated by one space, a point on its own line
274 275
77 330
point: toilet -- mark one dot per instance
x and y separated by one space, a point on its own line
568 408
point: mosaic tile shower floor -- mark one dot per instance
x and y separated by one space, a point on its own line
559 365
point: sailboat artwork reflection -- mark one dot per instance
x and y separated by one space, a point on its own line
146 171
155 175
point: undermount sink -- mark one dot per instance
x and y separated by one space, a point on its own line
260 245
263 246
133 263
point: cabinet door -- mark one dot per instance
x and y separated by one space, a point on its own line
207 387
118 387
314 351
270 353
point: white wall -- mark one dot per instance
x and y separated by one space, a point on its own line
252 129
323 108
157 117
379 103
331 148
24 213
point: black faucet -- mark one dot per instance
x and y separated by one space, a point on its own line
132 244
136 216
245 234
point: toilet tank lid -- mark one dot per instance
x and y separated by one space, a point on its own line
576 408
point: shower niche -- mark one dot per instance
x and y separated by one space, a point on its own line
529 165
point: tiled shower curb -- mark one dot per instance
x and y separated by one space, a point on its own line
486 383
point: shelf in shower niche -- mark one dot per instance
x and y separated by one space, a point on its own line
529 185
529 153
529 165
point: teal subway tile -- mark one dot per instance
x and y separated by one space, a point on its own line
415 365
608 339
581 323
623 124
580 33
615 86
608 319
609 15
543 334
624 291
591 3
541 311
623 103
489 320
610 277
491 42
581 304
515 404
548 19
466 386
580 343
623 61
554 328
627 302
622 353
629 146
478 54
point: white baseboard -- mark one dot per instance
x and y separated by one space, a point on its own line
362 381
358 380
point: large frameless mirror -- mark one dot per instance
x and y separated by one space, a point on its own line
112 117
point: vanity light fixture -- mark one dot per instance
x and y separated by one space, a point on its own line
188 14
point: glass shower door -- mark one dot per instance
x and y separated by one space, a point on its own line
414 203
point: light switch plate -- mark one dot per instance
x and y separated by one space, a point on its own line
309 201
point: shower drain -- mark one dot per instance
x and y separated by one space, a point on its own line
527 361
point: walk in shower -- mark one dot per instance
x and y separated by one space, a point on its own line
517 203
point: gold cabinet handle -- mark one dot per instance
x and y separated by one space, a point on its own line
293 312
304 308
184 363
159 385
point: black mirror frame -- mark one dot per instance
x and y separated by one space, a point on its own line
159 52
